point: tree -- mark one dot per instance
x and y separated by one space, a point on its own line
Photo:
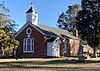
7 31
67 20
88 22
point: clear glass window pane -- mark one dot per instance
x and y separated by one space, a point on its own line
28 41
25 45
28 44
32 44
28 47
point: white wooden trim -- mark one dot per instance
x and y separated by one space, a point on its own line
23 44
36 28
31 45
28 51
26 45
57 39
25 25
21 29
30 31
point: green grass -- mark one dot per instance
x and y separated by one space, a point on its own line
49 64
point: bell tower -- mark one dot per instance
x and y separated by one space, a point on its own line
32 15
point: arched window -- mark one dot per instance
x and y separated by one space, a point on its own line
28 45
65 46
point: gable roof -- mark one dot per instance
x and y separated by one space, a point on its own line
24 26
51 39
49 31
30 10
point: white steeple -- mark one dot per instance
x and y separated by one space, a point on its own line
32 16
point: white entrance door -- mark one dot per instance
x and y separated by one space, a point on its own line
53 49
56 51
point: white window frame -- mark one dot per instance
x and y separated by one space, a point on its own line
30 31
71 46
76 47
31 45
65 46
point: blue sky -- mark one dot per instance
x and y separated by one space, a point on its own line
48 10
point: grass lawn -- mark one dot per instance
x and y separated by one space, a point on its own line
49 64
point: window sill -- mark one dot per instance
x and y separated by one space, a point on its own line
28 51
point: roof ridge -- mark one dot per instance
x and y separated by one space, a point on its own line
58 31
54 27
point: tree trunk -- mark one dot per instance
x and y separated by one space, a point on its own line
94 52
2 51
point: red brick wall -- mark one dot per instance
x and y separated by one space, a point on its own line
68 49
39 44
61 47
73 47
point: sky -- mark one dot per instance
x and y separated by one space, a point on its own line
48 10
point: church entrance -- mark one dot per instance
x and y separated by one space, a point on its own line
53 48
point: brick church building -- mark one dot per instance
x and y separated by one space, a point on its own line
37 40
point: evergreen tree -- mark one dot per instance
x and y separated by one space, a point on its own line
67 20
88 22
7 31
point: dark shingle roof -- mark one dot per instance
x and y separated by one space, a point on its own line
30 10
48 30
51 39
